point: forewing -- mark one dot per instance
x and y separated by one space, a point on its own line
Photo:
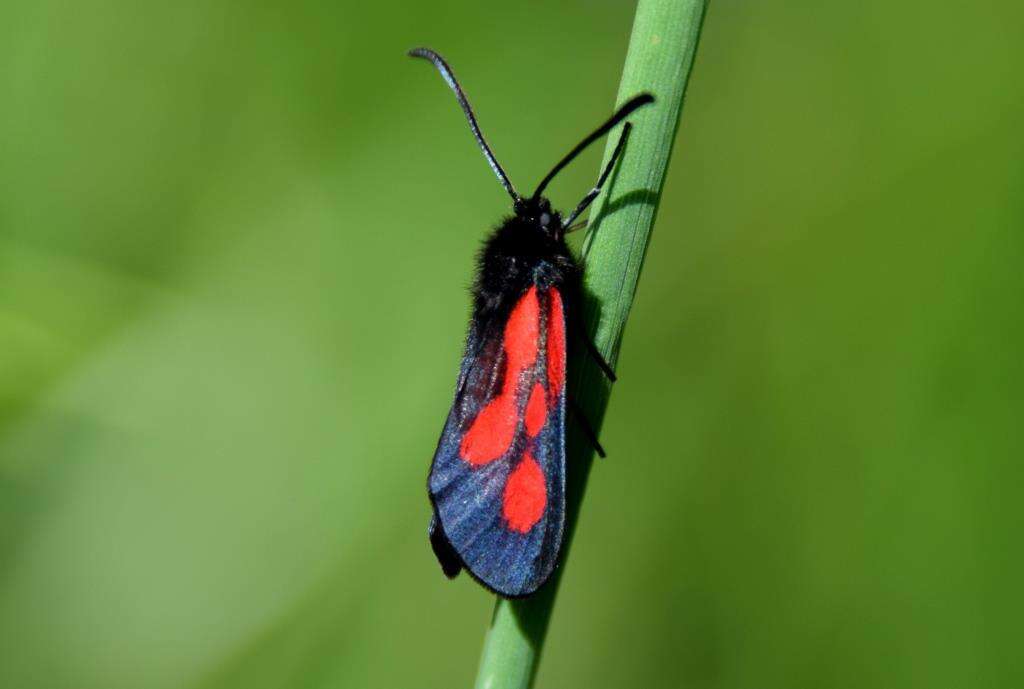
498 477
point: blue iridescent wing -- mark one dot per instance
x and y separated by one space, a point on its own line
498 477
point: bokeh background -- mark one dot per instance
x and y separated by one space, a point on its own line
236 238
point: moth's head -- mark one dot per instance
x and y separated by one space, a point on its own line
537 212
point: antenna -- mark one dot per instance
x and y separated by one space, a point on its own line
592 194
449 77
621 114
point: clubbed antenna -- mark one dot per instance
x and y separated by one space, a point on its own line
621 114
449 77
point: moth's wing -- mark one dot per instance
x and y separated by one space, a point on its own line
482 360
498 477
450 562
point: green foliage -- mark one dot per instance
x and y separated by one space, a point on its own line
235 240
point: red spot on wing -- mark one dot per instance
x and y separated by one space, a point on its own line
556 344
492 431
521 332
526 495
536 410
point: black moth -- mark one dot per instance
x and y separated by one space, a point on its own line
497 482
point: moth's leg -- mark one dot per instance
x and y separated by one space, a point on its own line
585 426
592 194
598 359
581 333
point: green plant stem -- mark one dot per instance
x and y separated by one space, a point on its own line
661 53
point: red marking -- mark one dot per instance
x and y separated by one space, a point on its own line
556 344
521 333
526 495
491 433
493 429
536 411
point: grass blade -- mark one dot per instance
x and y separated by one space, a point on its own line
661 53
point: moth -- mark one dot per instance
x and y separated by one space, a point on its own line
497 481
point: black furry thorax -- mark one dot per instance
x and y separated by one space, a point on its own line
527 248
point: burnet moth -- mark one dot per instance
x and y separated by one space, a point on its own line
497 482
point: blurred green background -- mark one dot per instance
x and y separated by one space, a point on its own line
235 244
